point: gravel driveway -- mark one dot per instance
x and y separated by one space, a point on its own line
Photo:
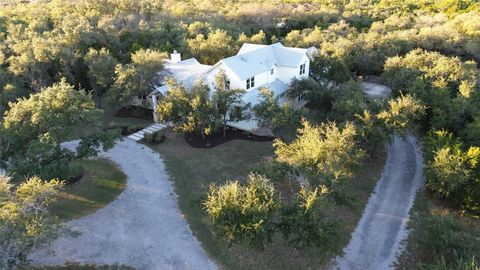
142 228
376 241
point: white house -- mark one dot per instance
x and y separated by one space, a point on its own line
252 68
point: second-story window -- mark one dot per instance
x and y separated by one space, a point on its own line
302 69
250 82
227 84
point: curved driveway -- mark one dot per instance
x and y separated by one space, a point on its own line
376 241
142 228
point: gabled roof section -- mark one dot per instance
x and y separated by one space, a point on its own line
251 63
253 59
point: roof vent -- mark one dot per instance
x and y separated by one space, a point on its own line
243 58
175 56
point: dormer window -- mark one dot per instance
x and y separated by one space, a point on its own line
250 82
302 69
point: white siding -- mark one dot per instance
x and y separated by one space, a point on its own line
235 83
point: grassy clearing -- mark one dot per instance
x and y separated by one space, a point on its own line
193 170
101 184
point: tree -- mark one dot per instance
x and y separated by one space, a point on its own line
270 114
372 131
192 111
325 153
446 85
448 172
318 94
402 113
244 213
138 77
49 116
25 222
259 38
210 49
34 127
225 98
304 225
331 69
175 105
203 116
101 69
348 101
452 172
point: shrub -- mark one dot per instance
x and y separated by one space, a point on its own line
460 264
155 137
244 213
304 225
273 170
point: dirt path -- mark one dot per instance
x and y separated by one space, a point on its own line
142 228
376 241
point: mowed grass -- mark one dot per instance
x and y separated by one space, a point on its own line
101 184
193 170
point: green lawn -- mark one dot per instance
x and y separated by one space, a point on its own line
101 184
193 170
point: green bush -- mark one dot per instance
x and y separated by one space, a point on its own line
155 137
442 235
244 213
460 264
273 170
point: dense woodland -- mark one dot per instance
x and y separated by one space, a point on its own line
61 62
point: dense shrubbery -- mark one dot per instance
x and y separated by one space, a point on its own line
453 170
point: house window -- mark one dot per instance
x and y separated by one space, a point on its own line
282 95
302 69
271 71
250 82
300 97
227 84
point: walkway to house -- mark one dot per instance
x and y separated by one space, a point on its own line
143 227
376 241
137 136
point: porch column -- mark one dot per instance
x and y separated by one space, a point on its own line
154 105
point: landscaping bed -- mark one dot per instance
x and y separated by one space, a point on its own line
217 138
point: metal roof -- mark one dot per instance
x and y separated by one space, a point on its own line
253 59
186 72
254 96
